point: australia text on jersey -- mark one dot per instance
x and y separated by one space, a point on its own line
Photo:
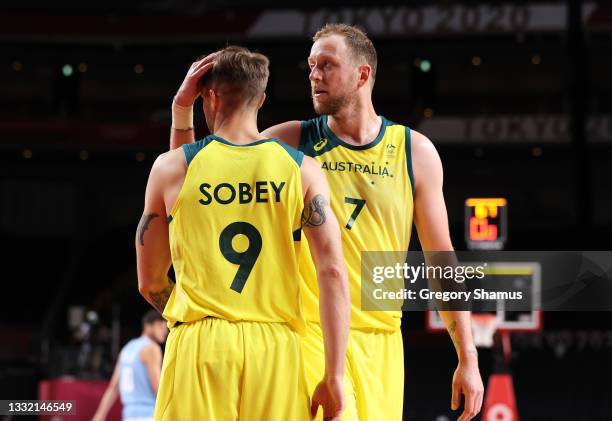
373 168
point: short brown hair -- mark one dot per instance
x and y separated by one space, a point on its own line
240 71
356 40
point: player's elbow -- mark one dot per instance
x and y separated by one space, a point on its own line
334 272
150 277
143 288
334 276
144 284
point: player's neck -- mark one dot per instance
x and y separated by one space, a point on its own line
358 123
237 128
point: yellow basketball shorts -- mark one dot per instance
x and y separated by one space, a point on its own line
218 370
374 376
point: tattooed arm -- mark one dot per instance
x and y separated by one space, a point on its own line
466 378
431 222
323 233
152 244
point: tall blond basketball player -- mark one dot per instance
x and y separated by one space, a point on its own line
383 177
228 212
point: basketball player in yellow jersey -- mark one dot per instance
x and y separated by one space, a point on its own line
228 211
383 177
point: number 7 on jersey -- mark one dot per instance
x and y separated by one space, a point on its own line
360 204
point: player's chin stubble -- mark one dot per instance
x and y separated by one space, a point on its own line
332 106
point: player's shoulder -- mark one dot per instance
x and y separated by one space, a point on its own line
425 159
294 154
150 351
169 157
169 167
311 172
189 151
311 131
422 145
169 162
287 132
311 164
312 123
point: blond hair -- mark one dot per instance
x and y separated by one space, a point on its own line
356 40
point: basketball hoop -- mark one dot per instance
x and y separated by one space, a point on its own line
484 326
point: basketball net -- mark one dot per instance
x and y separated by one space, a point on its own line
484 326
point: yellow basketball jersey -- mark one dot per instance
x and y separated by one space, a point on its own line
372 197
232 232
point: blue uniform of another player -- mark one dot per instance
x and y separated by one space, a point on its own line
135 388
136 374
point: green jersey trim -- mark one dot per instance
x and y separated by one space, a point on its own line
408 148
328 132
192 149
316 138
298 156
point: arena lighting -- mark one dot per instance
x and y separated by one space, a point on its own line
67 70
425 66
17 66
536 59
82 67
138 69
476 61
428 112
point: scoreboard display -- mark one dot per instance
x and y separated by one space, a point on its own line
486 223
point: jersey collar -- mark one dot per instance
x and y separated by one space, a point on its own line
335 139
227 142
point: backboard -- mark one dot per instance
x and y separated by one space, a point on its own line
506 276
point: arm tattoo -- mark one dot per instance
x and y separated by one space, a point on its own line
451 331
313 214
160 298
143 225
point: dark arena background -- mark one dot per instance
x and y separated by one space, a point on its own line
516 96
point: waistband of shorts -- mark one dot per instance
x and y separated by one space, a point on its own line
179 323
363 329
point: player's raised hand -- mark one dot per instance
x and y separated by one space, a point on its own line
467 382
330 395
188 92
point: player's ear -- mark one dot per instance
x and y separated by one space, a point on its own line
213 99
262 98
365 73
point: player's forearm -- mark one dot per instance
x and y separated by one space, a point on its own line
156 291
106 403
153 260
154 369
334 307
459 326
182 131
